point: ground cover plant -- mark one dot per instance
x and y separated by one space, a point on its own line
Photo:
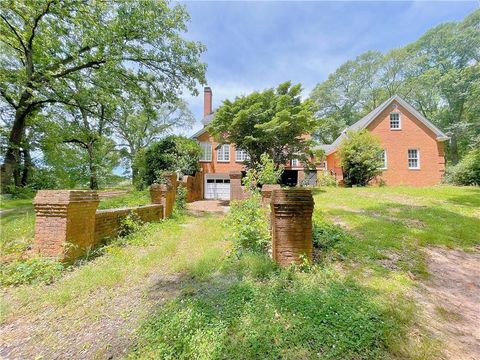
177 290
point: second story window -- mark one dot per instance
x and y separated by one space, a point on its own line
241 155
295 163
206 151
395 122
223 153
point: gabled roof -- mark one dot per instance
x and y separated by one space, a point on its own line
205 121
368 119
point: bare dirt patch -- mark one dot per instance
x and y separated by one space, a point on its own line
450 300
208 206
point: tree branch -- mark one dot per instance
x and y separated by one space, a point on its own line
36 21
76 141
90 64
15 32
8 98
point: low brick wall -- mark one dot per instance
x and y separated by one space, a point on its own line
68 224
108 222
237 191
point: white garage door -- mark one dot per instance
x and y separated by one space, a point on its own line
217 187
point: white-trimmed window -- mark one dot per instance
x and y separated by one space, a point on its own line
223 153
206 151
383 159
295 163
241 155
395 121
413 159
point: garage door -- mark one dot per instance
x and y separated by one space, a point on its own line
217 187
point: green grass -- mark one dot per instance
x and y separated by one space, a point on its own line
354 304
17 222
131 199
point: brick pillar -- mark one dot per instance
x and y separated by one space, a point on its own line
236 191
291 225
267 192
64 223
163 194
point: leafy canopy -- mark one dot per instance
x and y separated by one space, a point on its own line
173 153
272 122
359 156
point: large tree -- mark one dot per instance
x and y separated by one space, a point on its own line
439 74
273 122
138 122
46 43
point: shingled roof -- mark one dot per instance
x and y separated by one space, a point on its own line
372 115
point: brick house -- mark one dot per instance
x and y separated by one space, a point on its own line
413 147
218 161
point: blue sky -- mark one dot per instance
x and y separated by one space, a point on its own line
257 45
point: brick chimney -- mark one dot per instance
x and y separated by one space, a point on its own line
207 101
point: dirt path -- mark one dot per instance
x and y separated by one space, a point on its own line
103 324
450 299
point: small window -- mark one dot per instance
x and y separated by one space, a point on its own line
383 159
295 163
223 153
413 159
395 121
210 181
206 151
241 155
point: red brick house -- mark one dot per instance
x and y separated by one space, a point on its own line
413 146
218 161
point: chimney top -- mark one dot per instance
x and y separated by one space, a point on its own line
207 101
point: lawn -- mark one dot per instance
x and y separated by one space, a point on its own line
174 290
18 218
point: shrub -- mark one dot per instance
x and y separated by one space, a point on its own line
31 271
21 192
174 153
326 179
130 224
181 198
248 223
326 235
264 173
360 157
467 171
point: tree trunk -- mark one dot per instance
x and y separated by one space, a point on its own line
92 167
27 166
453 149
10 170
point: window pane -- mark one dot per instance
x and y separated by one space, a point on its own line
395 121
206 151
223 153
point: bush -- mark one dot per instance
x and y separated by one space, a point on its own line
326 235
30 271
130 224
181 198
264 173
21 192
174 153
326 179
360 158
248 223
467 171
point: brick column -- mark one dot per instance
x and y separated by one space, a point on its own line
236 191
64 223
163 194
267 192
291 225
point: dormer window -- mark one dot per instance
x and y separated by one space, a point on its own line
395 121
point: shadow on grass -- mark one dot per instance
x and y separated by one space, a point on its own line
398 229
471 200
253 310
